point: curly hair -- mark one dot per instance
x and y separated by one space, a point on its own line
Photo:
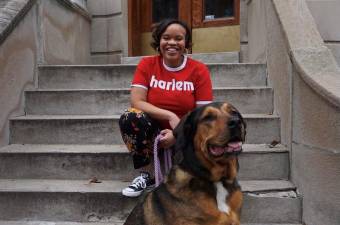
160 28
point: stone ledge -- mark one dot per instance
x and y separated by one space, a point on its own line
317 67
257 188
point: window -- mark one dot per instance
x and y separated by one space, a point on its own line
212 13
215 9
162 9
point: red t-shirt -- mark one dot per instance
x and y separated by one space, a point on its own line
175 89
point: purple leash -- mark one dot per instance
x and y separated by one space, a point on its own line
167 161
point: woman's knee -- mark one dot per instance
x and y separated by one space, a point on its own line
130 115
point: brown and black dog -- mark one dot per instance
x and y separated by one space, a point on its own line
202 189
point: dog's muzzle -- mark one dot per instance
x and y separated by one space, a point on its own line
230 148
234 146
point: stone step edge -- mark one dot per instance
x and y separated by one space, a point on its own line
272 224
105 117
118 222
128 89
114 149
257 188
114 222
196 54
133 65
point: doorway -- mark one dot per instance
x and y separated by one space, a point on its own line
214 23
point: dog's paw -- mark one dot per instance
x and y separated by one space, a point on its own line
234 219
235 222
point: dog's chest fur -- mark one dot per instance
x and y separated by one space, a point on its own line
221 197
216 190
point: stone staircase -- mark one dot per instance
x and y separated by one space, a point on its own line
70 134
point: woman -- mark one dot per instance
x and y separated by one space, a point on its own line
164 88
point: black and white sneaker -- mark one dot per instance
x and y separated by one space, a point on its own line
138 185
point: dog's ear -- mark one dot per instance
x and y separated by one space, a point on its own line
244 126
243 122
178 131
182 127
184 132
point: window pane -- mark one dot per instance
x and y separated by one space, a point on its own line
215 9
162 9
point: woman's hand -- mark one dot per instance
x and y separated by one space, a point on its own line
139 101
167 139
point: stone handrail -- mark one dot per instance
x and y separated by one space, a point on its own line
76 7
312 59
12 11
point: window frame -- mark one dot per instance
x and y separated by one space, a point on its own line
198 14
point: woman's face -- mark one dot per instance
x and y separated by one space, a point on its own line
172 45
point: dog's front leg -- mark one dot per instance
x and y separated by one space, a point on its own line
229 201
227 219
235 198
235 202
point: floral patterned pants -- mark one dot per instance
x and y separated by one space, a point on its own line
138 131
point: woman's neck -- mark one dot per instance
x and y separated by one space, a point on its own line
174 63
178 66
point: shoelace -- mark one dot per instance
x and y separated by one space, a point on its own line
138 182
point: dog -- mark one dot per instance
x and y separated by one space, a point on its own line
202 189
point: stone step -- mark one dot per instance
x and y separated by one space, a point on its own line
79 200
78 129
217 57
100 223
62 223
271 224
114 101
113 162
120 76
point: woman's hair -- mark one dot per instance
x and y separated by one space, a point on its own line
160 28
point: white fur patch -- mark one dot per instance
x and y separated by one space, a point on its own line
221 197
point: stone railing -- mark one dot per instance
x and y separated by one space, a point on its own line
11 11
33 33
313 60
306 82
78 6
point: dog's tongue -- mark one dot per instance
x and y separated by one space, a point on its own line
234 146
217 151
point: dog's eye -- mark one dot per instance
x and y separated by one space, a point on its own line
209 117
234 122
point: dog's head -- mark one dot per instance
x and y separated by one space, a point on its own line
209 138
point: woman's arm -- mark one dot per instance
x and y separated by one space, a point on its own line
139 100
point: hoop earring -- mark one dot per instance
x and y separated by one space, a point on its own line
157 49
186 51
